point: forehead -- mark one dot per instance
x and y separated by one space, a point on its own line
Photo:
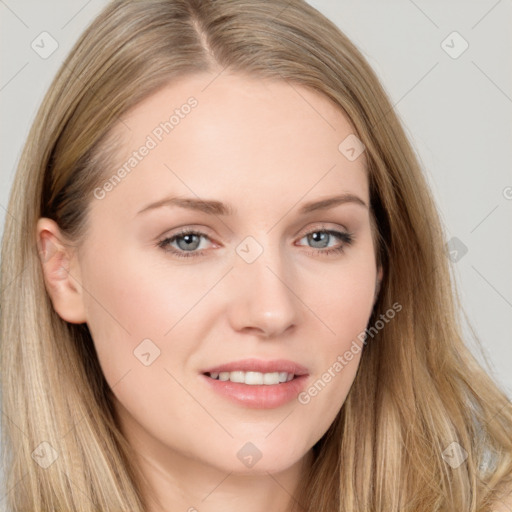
225 135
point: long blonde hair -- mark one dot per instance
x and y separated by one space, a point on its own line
417 390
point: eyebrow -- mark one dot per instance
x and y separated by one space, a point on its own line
213 207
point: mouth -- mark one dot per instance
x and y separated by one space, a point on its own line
253 378
256 383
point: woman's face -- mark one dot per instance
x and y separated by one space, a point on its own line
268 283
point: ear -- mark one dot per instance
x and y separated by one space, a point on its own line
61 271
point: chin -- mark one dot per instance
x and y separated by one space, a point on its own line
262 456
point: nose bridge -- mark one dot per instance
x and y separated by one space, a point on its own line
263 298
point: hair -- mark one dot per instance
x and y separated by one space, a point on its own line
417 389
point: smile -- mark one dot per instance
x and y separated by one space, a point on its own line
253 378
256 383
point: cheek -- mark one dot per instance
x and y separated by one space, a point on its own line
135 309
137 316
137 299
341 298
342 306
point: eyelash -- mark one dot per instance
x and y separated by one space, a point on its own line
347 238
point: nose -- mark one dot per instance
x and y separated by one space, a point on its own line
263 301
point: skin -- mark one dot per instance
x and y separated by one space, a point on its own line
265 148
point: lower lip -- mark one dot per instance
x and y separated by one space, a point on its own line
259 396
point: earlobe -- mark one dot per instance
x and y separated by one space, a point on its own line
61 271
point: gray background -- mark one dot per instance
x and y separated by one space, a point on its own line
457 112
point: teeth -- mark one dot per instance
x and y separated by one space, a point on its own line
236 377
253 378
271 378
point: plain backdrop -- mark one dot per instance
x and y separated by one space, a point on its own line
447 69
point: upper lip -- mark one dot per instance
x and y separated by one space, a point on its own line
259 365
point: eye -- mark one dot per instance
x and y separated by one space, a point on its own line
187 241
322 238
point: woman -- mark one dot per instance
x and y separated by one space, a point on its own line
230 288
